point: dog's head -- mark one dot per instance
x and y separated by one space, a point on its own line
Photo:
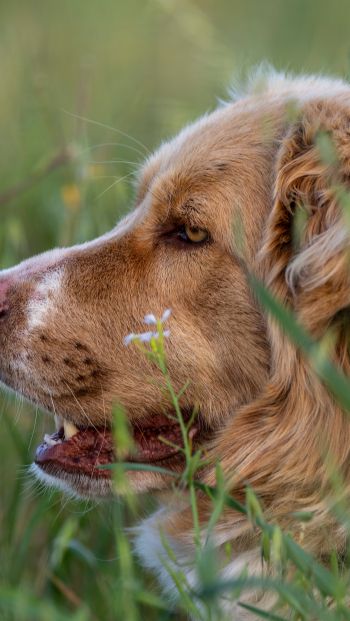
206 203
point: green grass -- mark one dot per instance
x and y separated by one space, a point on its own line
138 70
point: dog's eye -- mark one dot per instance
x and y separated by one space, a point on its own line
193 234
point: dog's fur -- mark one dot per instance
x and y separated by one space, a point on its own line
241 173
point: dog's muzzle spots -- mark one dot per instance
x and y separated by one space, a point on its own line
69 363
81 347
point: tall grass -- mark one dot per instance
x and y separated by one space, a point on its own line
76 77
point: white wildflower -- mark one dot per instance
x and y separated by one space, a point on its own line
145 337
129 338
150 319
166 315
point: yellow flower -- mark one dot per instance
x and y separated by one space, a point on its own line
71 196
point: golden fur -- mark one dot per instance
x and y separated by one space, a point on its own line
241 173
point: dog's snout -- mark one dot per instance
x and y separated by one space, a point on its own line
4 287
32 279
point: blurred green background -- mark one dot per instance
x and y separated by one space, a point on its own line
87 89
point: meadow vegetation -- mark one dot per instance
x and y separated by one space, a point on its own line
88 90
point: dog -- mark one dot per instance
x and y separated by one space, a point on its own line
215 205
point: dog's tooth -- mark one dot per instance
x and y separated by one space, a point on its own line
192 432
49 440
58 422
69 429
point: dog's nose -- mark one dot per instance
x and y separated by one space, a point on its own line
4 287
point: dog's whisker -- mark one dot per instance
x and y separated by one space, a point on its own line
127 162
112 144
91 424
97 177
53 405
104 407
19 408
33 429
104 433
119 180
109 127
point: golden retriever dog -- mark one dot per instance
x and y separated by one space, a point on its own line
213 206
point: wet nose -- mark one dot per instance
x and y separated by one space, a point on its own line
4 287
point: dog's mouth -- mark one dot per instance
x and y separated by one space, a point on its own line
157 438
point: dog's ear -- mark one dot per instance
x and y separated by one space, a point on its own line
306 254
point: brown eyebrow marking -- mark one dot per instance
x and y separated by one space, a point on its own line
221 166
191 206
173 190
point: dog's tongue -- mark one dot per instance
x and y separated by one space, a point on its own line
90 448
